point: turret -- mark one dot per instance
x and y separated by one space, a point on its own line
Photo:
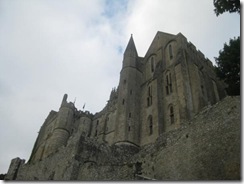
128 114
62 127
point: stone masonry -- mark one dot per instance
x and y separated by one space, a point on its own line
168 119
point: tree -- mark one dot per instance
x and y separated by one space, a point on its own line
2 176
228 66
222 6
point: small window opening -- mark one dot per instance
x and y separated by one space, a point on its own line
124 81
149 98
150 125
129 115
170 52
123 101
152 64
131 91
168 86
129 128
171 114
202 88
96 133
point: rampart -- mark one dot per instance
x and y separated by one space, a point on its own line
205 148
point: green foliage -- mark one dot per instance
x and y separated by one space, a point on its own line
228 66
222 6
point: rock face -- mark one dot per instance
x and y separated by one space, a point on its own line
168 119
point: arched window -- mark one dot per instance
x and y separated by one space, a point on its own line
152 64
150 124
170 52
168 86
171 114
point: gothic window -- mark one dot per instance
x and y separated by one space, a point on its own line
168 84
170 52
171 114
149 96
152 64
150 124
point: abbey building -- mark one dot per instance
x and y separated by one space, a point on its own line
156 94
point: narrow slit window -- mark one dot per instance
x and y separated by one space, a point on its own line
171 114
152 64
170 52
124 81
149 97
130 115
202 88
170 83
150 125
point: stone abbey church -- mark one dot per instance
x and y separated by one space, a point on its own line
146 129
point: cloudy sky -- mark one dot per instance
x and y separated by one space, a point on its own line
52 47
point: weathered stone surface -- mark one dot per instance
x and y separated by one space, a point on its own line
205 148
16 163
168 119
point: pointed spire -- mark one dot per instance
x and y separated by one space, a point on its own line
131 48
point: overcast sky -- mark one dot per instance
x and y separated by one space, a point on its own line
52 47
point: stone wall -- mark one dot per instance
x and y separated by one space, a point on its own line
205 148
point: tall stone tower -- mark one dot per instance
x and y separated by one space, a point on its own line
127 128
